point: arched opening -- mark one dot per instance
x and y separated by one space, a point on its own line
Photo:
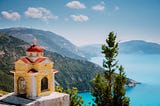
44 84
31 54
21 87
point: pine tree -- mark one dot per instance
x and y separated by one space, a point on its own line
119 98
112 92
110 51
98 90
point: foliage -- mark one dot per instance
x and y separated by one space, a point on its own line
10 49
59 89
3 92
111 85
98 90
75 100
6 83
119 98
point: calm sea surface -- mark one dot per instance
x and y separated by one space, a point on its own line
144 69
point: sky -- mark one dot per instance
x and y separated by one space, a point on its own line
86 22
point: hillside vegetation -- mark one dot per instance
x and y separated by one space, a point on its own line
48 40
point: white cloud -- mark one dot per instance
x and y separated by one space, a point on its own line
79 18
39 13
98 7
13 16
75 5
116 8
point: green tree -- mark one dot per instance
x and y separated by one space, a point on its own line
119 98
110 51
98 90
75 99
113 92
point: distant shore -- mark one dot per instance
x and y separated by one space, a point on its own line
132 83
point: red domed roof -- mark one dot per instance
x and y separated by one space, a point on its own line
34 48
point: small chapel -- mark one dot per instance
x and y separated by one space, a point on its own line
34 73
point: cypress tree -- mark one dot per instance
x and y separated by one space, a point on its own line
112 88
110 51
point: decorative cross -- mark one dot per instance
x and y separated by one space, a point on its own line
35 41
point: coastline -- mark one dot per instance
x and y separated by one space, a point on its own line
131 83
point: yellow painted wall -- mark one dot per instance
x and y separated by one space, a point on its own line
44 70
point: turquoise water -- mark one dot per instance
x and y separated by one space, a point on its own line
144 69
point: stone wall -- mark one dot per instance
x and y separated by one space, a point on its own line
54 99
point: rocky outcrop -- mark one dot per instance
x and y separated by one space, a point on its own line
131 83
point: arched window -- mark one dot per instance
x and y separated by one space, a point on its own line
30 54
21 86
44 84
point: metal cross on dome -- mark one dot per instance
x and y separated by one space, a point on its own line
35 41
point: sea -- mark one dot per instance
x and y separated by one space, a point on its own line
142 68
